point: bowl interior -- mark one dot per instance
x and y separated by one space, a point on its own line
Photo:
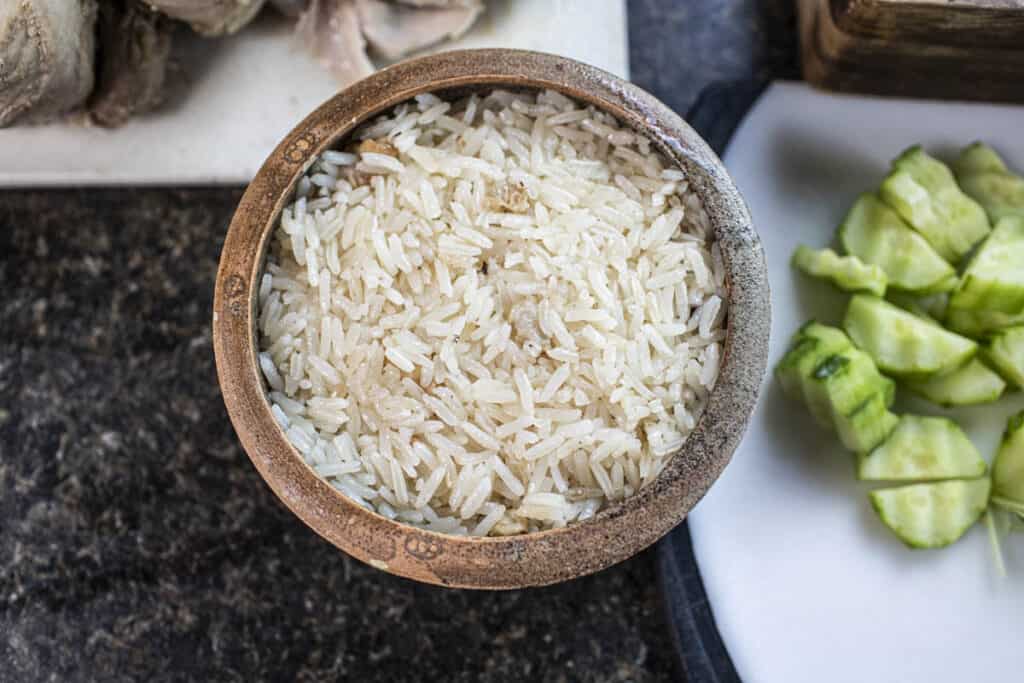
621 528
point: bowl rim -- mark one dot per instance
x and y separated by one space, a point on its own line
539 558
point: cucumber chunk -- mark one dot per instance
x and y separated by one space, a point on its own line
932 306
1005 350
902 343
848 273
842 382
978 157
968 385
923 449
812 344
1008 467
984 177
867 426
923 191
829 341
1002 194
876 234
839 387
815 330
789 369
978 324
932 515
994 279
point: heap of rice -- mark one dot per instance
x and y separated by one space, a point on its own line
491 316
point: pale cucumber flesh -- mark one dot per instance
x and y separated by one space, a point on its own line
923 448
994 279
902 343
876 234
925 194
848 273
1008 467
979 324
1005 350
970 384
932 515
983 176
978 157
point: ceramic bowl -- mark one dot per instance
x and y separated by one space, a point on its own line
621 529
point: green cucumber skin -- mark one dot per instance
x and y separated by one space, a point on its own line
812 344
787 369
1008 466
840 387
830 366
869 425
839 384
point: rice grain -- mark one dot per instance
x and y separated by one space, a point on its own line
491 316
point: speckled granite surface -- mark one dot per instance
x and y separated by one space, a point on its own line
136 540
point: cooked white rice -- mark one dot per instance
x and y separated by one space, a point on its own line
492 316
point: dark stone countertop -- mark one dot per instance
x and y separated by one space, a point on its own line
136 540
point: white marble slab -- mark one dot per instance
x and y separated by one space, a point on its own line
254 87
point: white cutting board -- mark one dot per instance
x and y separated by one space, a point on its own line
805 583
249 90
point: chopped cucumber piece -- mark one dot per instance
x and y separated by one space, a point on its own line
984 176
876 234
978 157
1008 467
794 364
923 191
932 306
839 387
845 272
1006 351
902 343
1002 194
842 382
812 344
980 323
994 279
923 449
968 385
815 330
932 515
867 426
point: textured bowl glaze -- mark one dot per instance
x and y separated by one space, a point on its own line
620 530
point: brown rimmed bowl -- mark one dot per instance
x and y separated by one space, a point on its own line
621 529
